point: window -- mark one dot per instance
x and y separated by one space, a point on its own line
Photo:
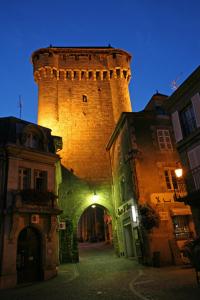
32 140
181 227
24 178
40 180
164 139
170 179
84 98
188 121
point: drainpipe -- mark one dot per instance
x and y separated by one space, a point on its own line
4 159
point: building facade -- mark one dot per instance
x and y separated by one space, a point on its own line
81 94
143 159
184 106
28 203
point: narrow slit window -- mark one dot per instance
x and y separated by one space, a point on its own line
85 98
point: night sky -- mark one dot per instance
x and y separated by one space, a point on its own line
162 36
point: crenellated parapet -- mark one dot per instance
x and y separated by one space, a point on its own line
81 63
81 74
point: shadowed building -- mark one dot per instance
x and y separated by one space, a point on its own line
28 206
81 94
184 106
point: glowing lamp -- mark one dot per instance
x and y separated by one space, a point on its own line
93 206
95 197
179 172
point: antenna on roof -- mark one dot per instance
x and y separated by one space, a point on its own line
20 106
174 83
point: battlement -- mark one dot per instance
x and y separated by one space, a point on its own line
81 74
82 63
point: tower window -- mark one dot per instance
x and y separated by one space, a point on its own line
111 73
114 55
84 98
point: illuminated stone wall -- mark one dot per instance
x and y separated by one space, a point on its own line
81 94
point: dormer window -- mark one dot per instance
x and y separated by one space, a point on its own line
32 140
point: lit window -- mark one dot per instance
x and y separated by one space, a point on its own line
24 178
164 139
40 180
188 121
170 179
181 227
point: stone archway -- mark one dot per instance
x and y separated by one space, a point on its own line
29 255
95 225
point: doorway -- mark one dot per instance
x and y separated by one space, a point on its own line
128 234
29 256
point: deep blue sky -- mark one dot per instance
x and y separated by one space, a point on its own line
162 36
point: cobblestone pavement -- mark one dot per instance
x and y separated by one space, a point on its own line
101 275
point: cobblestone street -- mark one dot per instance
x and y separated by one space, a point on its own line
101 275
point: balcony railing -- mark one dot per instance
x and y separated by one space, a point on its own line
34 197
193 180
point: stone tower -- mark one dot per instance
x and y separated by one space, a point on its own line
81 93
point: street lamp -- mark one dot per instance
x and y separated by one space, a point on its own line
95 197
179 173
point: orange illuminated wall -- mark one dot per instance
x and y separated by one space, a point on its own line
81 94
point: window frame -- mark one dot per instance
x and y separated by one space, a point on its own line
187 120
22 184
181 227
164 138
40 183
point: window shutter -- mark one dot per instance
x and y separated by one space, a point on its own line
196 106
194 157
177 126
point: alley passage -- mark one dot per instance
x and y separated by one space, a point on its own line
102 275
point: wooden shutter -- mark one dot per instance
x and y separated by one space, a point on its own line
196 106
177 126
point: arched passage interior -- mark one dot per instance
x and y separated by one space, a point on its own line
95 225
